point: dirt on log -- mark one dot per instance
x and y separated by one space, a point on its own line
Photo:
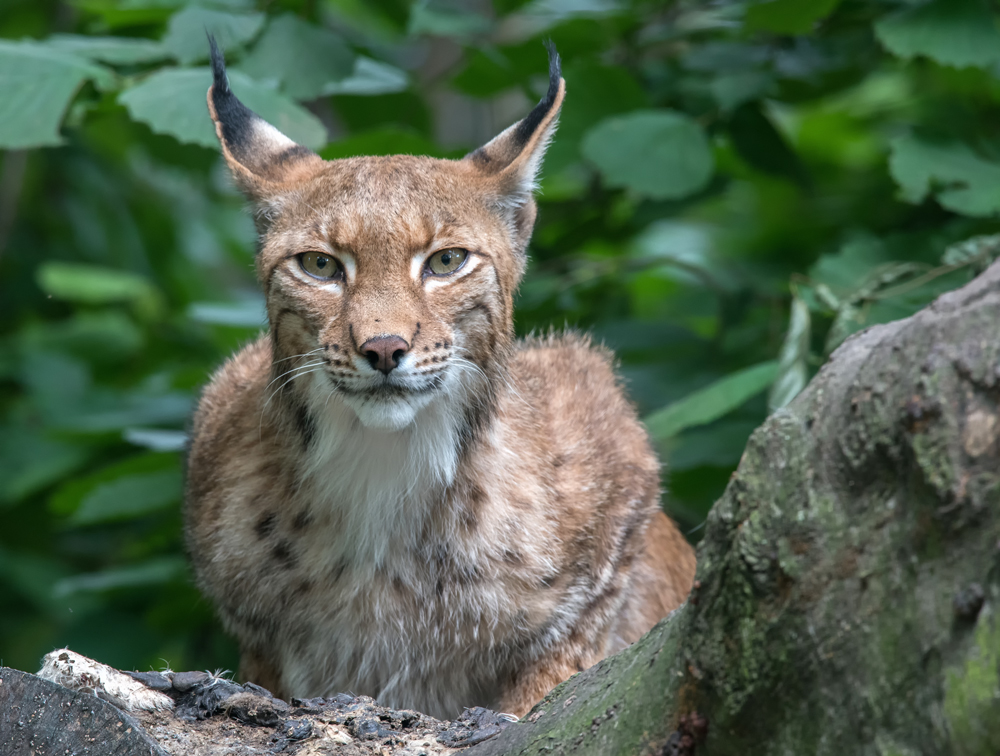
848 584
214 716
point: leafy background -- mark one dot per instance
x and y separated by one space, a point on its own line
735 188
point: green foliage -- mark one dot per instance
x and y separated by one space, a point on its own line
965 182
787 16
712 402
38 82
734 189
187 28
953 32
657 154
302 58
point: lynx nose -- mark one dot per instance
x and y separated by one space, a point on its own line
384 352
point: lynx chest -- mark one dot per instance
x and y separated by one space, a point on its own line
427 622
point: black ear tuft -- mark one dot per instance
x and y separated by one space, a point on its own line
530 122
510 162
220 80
257 153
235 118
530 135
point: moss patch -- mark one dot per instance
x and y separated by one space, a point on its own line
972 692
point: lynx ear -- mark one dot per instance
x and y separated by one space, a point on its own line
261 158
512 159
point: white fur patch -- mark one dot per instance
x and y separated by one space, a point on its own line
377 463
269 137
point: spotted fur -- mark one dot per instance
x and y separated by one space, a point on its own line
473 526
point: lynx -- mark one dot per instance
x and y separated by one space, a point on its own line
388 494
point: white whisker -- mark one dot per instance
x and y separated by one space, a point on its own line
299 371
292 370
303 370
304 354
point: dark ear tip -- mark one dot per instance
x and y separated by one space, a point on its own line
219 79
555 70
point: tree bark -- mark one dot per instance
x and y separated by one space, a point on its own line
847 591
41 717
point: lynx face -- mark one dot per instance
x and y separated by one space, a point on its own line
389 280
396 298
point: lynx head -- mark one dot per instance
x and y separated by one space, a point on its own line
396 273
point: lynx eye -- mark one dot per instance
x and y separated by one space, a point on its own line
446 261
320 265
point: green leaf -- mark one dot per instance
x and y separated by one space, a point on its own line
486 74
661 154
847 270
961 180
720 445
386 141
116 14
793 371
94 285
70 496
133 410
978 252
185 36
301 57
713 401
37 83
116 51
96 336
370 77
129 497
172 101
152 572
762 145
599 92
787 16
731 90
249 313
849 319
32 576
444 22
30 462
155 439
952 32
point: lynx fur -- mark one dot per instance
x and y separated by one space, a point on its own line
388 494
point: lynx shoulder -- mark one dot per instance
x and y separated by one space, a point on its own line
387 493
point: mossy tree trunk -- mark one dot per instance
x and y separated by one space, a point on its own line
848 584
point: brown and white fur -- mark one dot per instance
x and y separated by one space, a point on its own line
454 519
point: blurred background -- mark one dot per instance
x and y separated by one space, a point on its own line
735 187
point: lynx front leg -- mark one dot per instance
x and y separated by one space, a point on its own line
531 684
